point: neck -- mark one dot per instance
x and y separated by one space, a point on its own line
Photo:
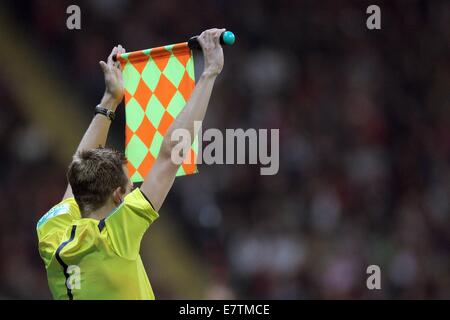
101 212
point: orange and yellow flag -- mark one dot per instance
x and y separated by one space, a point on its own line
158 82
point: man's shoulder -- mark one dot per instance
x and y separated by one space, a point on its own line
58 217
134 205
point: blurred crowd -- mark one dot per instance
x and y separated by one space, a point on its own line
364 119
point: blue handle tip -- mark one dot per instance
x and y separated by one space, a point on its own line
228 38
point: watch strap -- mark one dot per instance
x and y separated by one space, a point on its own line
106 112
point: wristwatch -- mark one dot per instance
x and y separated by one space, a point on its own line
106 112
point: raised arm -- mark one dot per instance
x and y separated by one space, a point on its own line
160 179
97 132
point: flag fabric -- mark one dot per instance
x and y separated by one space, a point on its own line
158 82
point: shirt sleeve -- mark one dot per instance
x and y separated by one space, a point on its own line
58 217
56 220
128 223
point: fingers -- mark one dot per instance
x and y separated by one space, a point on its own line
110 63
201 39
216 35
104 66
110 57
120 50
210 38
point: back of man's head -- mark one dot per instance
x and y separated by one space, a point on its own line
94 175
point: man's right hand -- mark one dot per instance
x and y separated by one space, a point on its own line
160 179
114 90
212 51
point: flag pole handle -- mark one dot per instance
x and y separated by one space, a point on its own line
226 38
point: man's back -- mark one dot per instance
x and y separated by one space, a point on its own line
90 259
87 258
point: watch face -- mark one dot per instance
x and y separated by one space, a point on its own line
111 114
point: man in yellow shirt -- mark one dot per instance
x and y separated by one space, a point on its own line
90 241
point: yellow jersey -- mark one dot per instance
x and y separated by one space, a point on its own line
90 259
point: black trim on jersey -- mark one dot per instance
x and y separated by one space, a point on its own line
148 200
62 263
101 225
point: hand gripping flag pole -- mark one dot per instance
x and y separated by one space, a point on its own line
226 38
158 83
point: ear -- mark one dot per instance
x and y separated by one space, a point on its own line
117 196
